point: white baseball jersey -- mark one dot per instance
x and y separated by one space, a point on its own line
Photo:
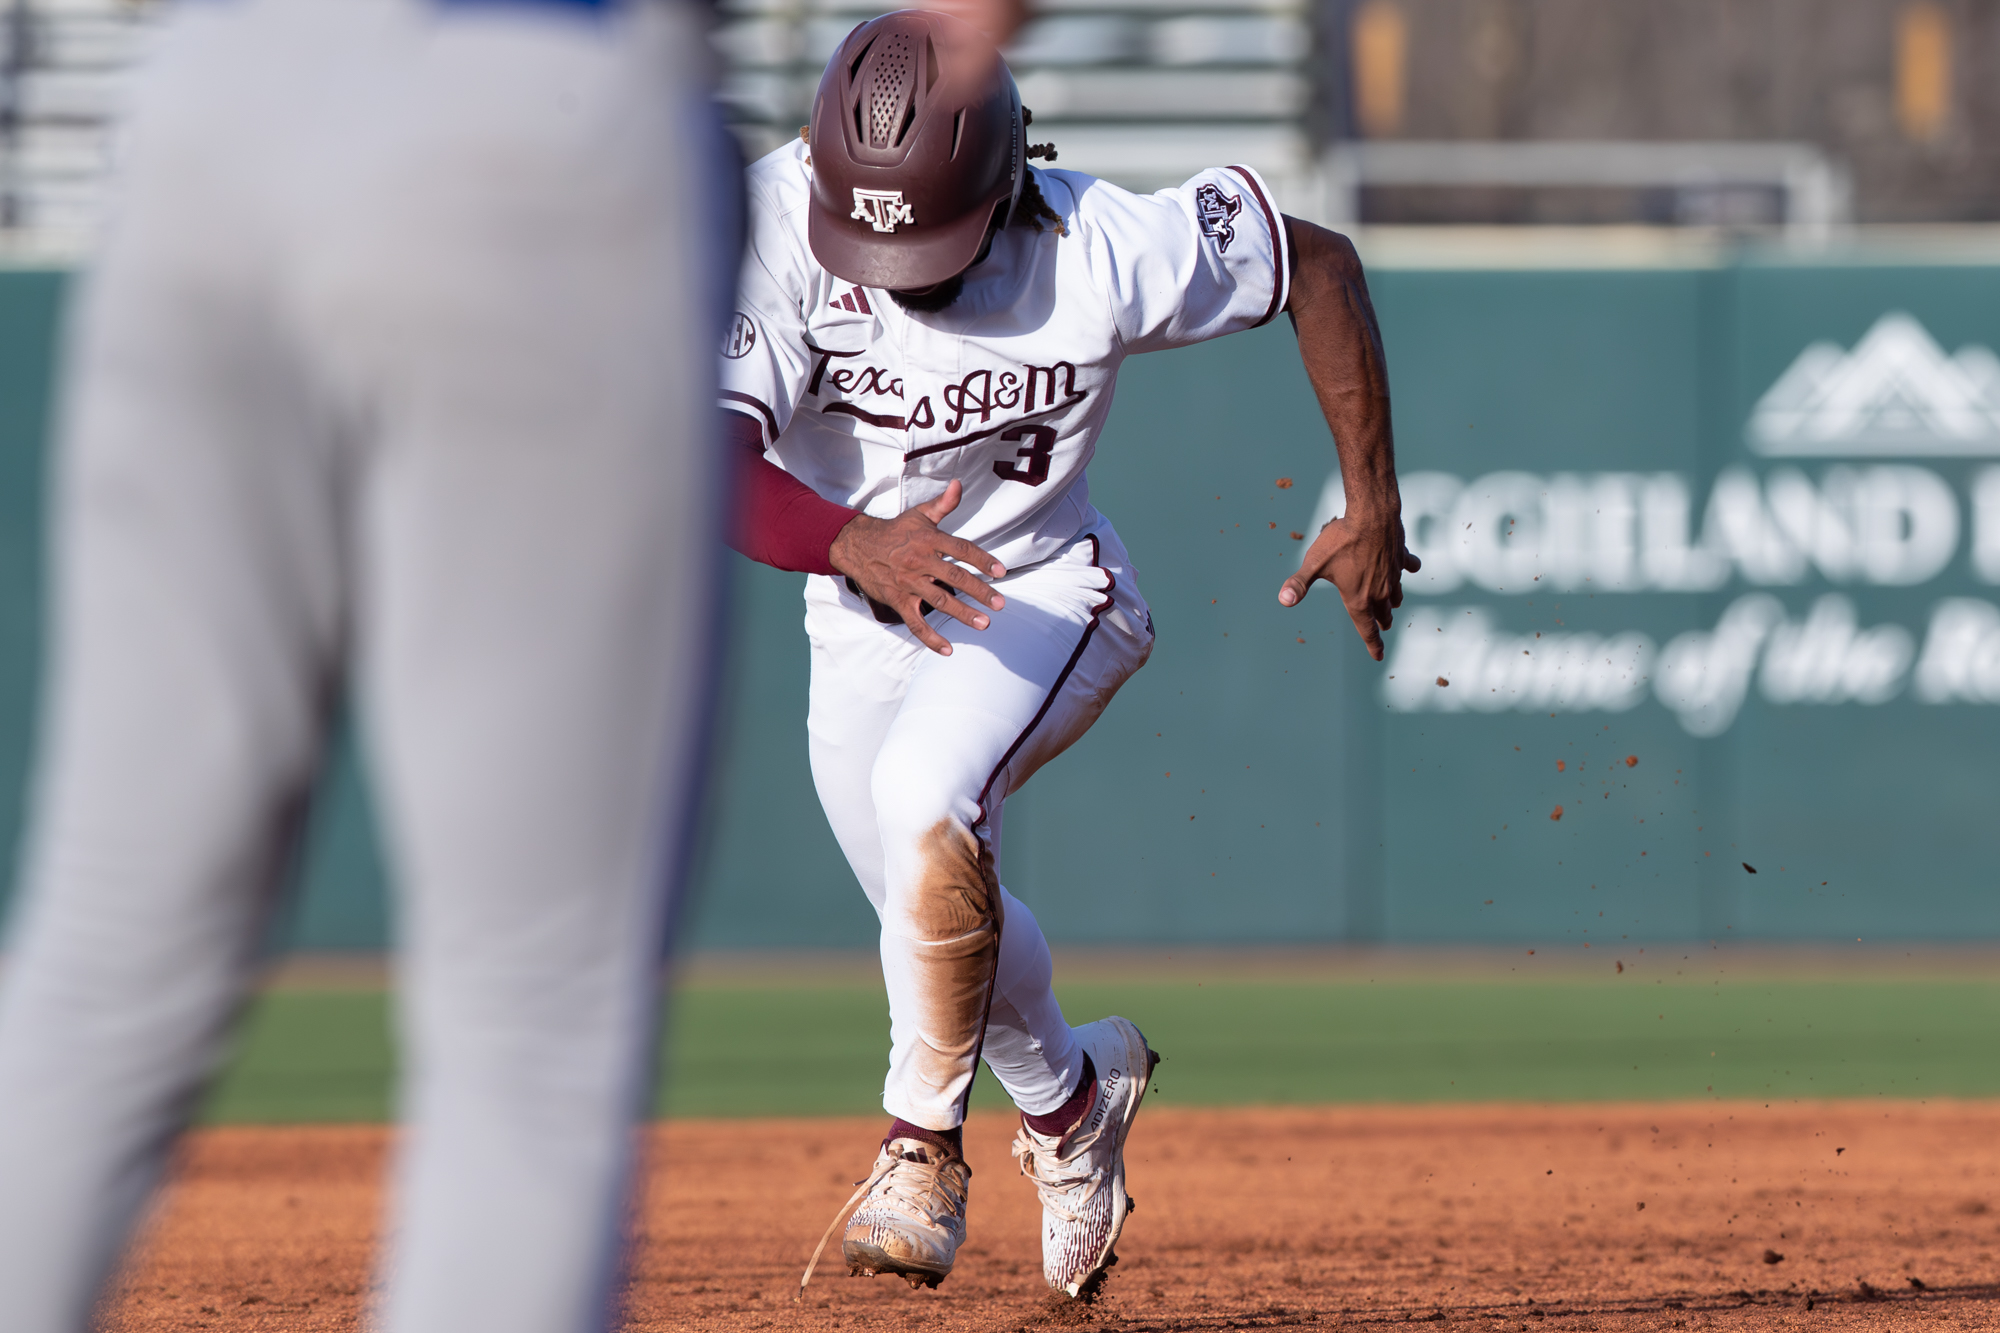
879 408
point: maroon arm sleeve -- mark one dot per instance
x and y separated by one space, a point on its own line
780 521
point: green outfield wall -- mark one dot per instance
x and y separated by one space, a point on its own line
1737 522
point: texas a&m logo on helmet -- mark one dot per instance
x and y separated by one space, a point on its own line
882 209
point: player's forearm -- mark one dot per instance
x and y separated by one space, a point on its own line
780 521
1341 345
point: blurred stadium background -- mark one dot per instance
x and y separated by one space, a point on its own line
1600 235
1880 110
1689 306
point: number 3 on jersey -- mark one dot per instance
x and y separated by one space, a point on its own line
1043 443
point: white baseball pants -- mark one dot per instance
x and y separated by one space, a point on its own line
393 375
914 755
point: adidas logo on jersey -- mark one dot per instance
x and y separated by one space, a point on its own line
855 301
1897 392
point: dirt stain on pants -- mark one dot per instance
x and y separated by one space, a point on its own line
953 917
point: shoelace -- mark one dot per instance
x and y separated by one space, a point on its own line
1049 1182
930 1181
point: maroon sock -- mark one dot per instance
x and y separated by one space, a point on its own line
950 1140
1071 1113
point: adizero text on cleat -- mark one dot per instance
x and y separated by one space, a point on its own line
1080 1176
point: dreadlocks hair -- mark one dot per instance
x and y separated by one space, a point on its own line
1033 210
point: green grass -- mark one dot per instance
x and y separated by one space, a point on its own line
309 1055
815 1050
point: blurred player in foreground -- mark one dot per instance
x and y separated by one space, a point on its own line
923 355
394 378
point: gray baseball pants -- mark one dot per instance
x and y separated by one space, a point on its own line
392 380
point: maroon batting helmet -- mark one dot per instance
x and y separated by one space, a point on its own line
917 145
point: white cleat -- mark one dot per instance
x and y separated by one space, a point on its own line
912 1218
1081 1176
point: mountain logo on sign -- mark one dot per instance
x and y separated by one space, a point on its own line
1897 392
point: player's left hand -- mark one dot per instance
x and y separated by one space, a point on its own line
1365 558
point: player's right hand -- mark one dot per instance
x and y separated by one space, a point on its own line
901 563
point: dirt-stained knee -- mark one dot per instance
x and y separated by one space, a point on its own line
956 891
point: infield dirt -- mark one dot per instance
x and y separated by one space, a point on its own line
1886 1215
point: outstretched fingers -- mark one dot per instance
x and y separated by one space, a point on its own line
960 576
905 562
952 584
950 549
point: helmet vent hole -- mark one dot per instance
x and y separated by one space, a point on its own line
930 66
957 130
891 84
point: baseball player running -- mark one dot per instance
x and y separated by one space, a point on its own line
927 339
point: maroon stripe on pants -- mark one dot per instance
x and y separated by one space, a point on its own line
985 792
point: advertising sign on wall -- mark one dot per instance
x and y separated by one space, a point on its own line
1894 509
1738 526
